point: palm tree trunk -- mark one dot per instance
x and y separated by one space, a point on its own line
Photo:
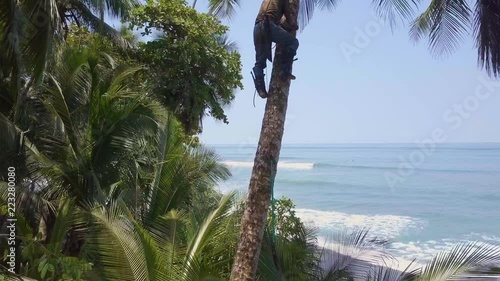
266 160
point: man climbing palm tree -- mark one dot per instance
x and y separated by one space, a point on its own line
272 25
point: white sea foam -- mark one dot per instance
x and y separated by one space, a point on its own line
489 238
387 227
281 165
424 251
411 255
421 251
233 185
382 226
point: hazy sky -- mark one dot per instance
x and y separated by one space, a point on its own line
386 90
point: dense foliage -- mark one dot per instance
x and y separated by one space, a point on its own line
111 181
193 73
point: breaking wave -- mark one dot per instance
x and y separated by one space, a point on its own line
281 165
382 226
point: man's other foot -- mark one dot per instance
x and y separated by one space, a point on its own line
260 86
263 94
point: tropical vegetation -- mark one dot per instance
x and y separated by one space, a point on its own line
444 22
98 132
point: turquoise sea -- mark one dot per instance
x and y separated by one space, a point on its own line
422 199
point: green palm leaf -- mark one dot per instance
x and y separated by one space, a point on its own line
460 260
446 22
59 106
125 250
104 127
486 31
394 10
96 22
9 142
229 45
183 172
209 240
42 35
10 38
351 254
390 10
115 8
291 259
223 8
382 273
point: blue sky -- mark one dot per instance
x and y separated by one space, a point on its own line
389 90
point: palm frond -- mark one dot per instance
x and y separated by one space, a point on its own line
17 149
307 7
487 34
97 24
459 260
394 10
23 227
108 124
64 219
9 276
267 268
125 250
383 273
43 34
184 171
73 77
121 84
211 235
223 8
60 107
115 8
445 22
11 35
389 10
171 186
299 257
9 142
124 124
168 232
207 163
166 141
229 45
351 254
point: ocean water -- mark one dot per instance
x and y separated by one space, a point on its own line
422 199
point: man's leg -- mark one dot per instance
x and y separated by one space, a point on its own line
260 59
283 37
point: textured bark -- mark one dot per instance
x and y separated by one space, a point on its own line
266 160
